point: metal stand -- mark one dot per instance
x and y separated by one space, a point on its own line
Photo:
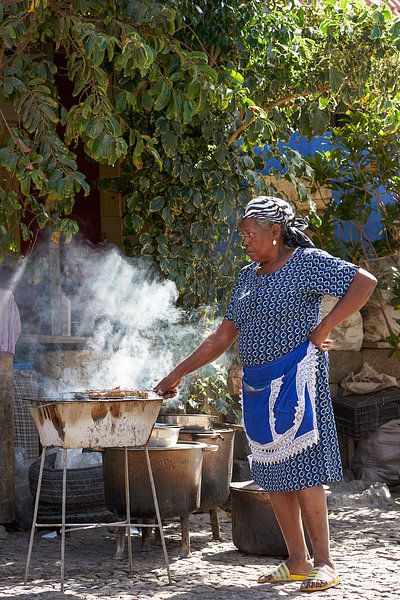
76 526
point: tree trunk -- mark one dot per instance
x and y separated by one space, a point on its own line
7 514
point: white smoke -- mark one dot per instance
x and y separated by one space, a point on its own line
136 332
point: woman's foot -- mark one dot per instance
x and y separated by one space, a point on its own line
320 578
287 571
303 567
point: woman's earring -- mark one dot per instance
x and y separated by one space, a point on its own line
274 242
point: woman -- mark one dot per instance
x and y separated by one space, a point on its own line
275 311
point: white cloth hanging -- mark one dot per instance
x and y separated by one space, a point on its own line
10 322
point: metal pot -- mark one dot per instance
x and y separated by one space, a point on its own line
255 529
164 436
217 466
177 478
91 423
201 422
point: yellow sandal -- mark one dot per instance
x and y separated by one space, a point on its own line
326 575
281 575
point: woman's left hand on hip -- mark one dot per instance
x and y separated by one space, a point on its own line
321 340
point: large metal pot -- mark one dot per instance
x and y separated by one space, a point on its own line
255 529
200 422
94 423
177 478
217 466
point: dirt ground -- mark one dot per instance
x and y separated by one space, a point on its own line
365 544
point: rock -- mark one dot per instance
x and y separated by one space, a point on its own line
378 313
356 494
349 334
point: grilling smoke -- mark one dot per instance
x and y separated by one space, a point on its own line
136 331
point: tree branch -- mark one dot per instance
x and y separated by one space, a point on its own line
304 94
213 58
239 131
280 102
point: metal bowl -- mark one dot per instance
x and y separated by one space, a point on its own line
164 436
201 422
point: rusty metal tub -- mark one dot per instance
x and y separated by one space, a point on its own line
93 423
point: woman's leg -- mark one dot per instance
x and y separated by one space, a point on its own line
315 515
314 511
287 511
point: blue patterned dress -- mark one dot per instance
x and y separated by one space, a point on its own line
275 314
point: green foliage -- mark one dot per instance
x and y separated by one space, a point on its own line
209 392
363 165
178 94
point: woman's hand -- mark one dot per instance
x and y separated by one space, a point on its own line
167 386
320 338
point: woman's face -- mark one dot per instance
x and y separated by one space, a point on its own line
256 240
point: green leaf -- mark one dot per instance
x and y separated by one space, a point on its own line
248 162
323 102
8 86
193 90
169 141
187 111
157 204
219 194
336 77
235 75
137 153
220 153
167 215
27 234
163 97
319 120
156 156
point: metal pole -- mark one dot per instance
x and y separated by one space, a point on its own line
63 505
35 512
160 527
128 510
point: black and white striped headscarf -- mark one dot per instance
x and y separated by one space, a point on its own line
276 210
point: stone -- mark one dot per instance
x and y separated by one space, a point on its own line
379 315
349 334
381 361
342 363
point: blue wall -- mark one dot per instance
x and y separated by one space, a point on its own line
307 147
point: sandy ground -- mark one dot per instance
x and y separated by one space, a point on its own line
365 544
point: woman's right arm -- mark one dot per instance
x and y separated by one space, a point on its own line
213 346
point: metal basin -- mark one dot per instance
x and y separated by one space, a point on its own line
96 423
177 478
201 422
164 436
217 466
255 529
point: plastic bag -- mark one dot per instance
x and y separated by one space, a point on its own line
76 459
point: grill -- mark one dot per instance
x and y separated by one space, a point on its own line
96 419
83 421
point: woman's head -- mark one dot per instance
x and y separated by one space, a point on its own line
276 216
